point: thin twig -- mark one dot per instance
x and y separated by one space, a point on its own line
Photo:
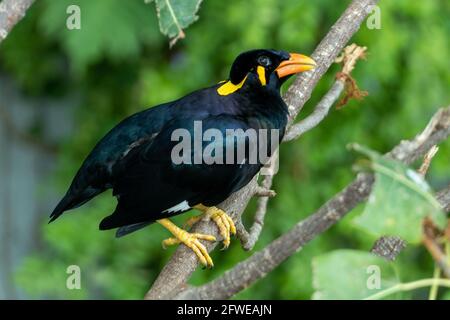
319 113
263 192
248 239
427 161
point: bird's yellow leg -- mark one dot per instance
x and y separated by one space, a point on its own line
191 240
223 221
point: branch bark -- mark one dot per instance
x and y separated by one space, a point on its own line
443 197
259 264
175 274
11 12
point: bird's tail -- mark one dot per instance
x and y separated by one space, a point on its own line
123 231
71 201
66 203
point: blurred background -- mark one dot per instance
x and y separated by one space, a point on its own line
61 90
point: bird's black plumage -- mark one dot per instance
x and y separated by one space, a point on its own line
135 157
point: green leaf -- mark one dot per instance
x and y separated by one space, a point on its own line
114 29
399 201
176 15
350 274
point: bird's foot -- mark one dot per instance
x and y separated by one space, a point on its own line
222 220
191 240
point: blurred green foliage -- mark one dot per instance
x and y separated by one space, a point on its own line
399 202
359 272
119 63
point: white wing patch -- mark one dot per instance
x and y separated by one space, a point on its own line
182 206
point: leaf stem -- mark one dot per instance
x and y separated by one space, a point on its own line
409 286
174 17
435 287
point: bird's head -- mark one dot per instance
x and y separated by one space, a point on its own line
270 67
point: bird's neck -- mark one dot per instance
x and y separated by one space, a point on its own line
263 109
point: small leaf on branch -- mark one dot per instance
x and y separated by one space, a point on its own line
399 201
175 16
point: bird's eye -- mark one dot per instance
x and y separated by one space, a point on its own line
264 61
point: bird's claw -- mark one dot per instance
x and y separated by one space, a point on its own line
191 240
224 223
221 219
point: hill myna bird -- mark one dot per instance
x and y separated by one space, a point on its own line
136 158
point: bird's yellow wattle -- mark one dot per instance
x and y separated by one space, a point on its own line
261 75
228 87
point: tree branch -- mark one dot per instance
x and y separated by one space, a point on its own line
319 113
176 272
11 12
259 264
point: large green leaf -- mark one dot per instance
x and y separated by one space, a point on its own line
350 274
399 201
176 15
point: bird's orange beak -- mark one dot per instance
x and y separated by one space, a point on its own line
296 63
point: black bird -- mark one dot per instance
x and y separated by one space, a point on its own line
155 174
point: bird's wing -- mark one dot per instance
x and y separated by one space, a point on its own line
151 186
94 175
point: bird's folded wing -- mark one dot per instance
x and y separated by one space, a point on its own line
150 184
